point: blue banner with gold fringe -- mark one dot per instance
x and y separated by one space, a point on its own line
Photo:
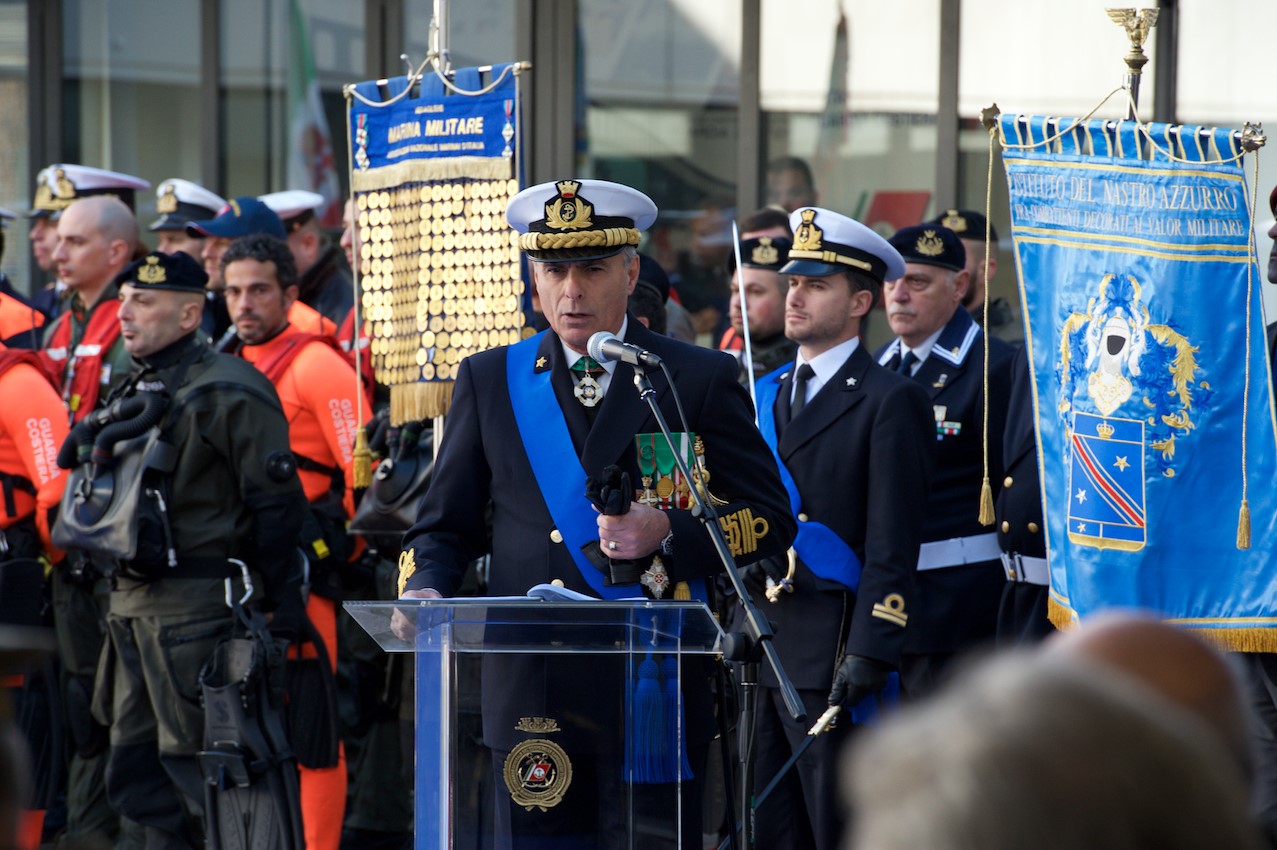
434 161
1145 327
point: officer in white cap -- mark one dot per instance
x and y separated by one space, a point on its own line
939 345
323 280
855 445
57 187
529 424
177 203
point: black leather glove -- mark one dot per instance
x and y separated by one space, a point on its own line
857 678
610 492
757 573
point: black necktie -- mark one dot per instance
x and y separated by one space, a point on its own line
906 364
801 377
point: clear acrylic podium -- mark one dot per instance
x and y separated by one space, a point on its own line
562 718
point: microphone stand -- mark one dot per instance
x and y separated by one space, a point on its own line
758 632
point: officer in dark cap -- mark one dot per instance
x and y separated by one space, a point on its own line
233 493
856 455
970 227
941 347
765 287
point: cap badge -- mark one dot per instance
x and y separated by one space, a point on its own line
43 197
64 188
954 221
568 210
929 244
808 236
765 254
166 203
152 272
233 206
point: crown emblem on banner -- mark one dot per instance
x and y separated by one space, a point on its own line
765 254
152 272
954 221
1104 429
167 201
568 210
808 236
929 244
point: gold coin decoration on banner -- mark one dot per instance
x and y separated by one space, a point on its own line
438 257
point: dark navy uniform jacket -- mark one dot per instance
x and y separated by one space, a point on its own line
1020 524
483 461
957 606
862 455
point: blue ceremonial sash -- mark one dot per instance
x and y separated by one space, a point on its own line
556 467
824 552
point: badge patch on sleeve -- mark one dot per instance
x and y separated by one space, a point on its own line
743 531
407 566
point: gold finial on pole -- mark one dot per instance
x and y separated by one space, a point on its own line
1137 24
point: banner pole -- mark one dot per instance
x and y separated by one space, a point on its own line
1137 25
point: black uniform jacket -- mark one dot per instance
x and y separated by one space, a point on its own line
482 458
957 606
862 455
1020 523
483 461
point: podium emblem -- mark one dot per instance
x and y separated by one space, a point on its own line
537 774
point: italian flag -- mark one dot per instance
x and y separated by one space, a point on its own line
311 164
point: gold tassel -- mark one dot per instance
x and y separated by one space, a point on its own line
986 503
1243 526
422 400
1060 617
362 456
682 592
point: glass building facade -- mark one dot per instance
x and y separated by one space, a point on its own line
689 100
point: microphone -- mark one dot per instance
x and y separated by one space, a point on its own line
606 346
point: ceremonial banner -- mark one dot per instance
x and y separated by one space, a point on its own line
1145 330
439 267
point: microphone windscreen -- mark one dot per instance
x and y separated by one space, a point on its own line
595 346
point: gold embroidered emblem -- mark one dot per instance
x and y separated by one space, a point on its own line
808 236
166 203
537 725
152 272
537 774
929 244
43 197
1105 431
743 530
407 566
568 210
955 221
765 253
892 609
63 188
540 363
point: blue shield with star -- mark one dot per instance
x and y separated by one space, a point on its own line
1106 505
